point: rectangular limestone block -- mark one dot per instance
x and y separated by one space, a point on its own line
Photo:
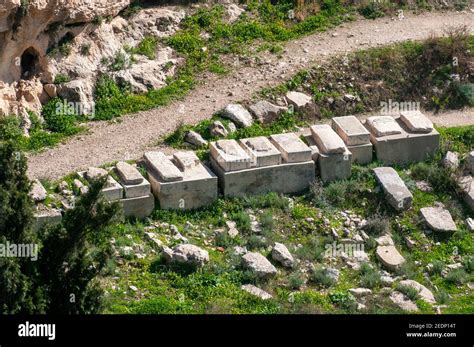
351 130
139 207
136 190
292 149
197 189
47 217
383 126
261 151
361 154
416 121
327 140
161 165
113 190
286 178
396 192
406 147
128 174
229 155
335 166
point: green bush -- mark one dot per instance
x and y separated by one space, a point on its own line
296 280
369 276
60 117
321 277
377 224
437 268
61 78
457 277
410 292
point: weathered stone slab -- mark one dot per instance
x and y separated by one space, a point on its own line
238 114
261 151
285 178
195 139
46 217
136 190
327 139
301 102
230 155
255 291
416 121
438 219
266 112
158 163
94 173
282 255
128 174
396 192
405 147
351 130
403 302
383 126
292 149
139 207
258 265
190 255
37 192
198 187
112 190
423 292
389 257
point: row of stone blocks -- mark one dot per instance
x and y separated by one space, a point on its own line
284 163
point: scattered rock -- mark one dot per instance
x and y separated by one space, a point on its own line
266 112
301 102
360 292
218 129
470 162
424 186
423 292
470 224
333 273
238 114
260 293
282 255
384 240
403 302
232 229
195 139
190 255
390 257
239 250
37 192
438 219
451 160
396 192
259 265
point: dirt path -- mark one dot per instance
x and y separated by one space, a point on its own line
131 135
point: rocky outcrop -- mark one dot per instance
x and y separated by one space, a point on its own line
41 40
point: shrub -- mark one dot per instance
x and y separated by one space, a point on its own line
372 10
61 78
369 276
266 220
313 250
437 268
59 117
440 178
457 276
377 224
410 292
242 220
119 62
147 47
296 280
441 297
468 264
320 277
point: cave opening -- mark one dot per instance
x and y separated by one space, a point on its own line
29 63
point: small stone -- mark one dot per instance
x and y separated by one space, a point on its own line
281 254
451 160
266 112
260 293
38 192
402 301
233 231
384 240
360 292
438 219
195 139
217 129
470 224
238 114
259 265
190 255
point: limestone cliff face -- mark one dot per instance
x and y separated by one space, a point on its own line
33 31
28 30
